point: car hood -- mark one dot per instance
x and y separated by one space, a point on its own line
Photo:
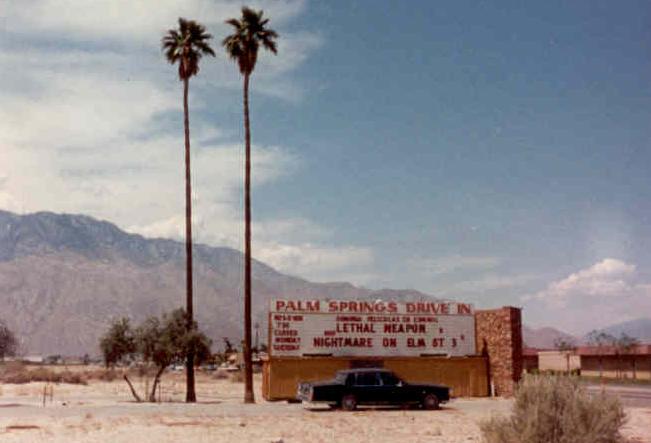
427 385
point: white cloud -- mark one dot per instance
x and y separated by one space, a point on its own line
126 21
605 293
608 278
318 262
85 125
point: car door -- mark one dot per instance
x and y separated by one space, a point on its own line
393 390
368 387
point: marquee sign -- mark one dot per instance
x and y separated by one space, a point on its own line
371 329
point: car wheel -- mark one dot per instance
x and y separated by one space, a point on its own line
349 402
430 401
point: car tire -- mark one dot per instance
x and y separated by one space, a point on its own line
349 402
430 402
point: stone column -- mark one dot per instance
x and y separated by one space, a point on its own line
499 338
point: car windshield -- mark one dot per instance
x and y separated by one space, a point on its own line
341 377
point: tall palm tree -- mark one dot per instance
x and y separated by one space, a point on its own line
186 45
242 46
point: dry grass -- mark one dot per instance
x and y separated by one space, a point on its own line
236 377
221 375
18 373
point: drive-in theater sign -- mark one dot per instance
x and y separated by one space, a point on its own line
371 329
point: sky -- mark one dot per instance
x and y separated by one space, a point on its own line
492 152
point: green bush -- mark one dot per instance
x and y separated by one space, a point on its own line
556 410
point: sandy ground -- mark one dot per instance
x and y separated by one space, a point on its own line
105 412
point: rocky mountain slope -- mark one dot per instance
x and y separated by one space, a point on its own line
639 328
544 338
63 278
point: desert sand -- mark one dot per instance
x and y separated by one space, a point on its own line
106 412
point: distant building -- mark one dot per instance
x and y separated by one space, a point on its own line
593 361
31 359
530 359
608 361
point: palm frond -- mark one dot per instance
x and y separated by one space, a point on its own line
250 32
186 45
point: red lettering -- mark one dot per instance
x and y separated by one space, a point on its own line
463 309
314 305
437 342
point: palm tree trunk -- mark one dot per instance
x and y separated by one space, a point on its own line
248 367
190 395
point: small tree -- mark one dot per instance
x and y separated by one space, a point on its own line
8 342
119 342
557 410
158 342
600 339
167 341
625 345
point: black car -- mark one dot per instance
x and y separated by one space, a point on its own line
372 387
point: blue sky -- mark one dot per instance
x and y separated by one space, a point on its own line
491 152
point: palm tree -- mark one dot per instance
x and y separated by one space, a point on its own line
242 46
186 45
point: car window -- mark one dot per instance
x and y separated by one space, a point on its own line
367 379
389 379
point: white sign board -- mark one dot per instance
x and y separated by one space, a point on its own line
370 329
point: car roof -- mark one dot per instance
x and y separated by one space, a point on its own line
358 370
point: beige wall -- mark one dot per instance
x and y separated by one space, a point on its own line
558 361
465 375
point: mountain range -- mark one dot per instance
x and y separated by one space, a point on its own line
545 338
63 278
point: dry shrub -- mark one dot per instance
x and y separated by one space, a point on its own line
19 374
10 367
557 409
103 374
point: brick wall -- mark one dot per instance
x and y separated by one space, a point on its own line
499 337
